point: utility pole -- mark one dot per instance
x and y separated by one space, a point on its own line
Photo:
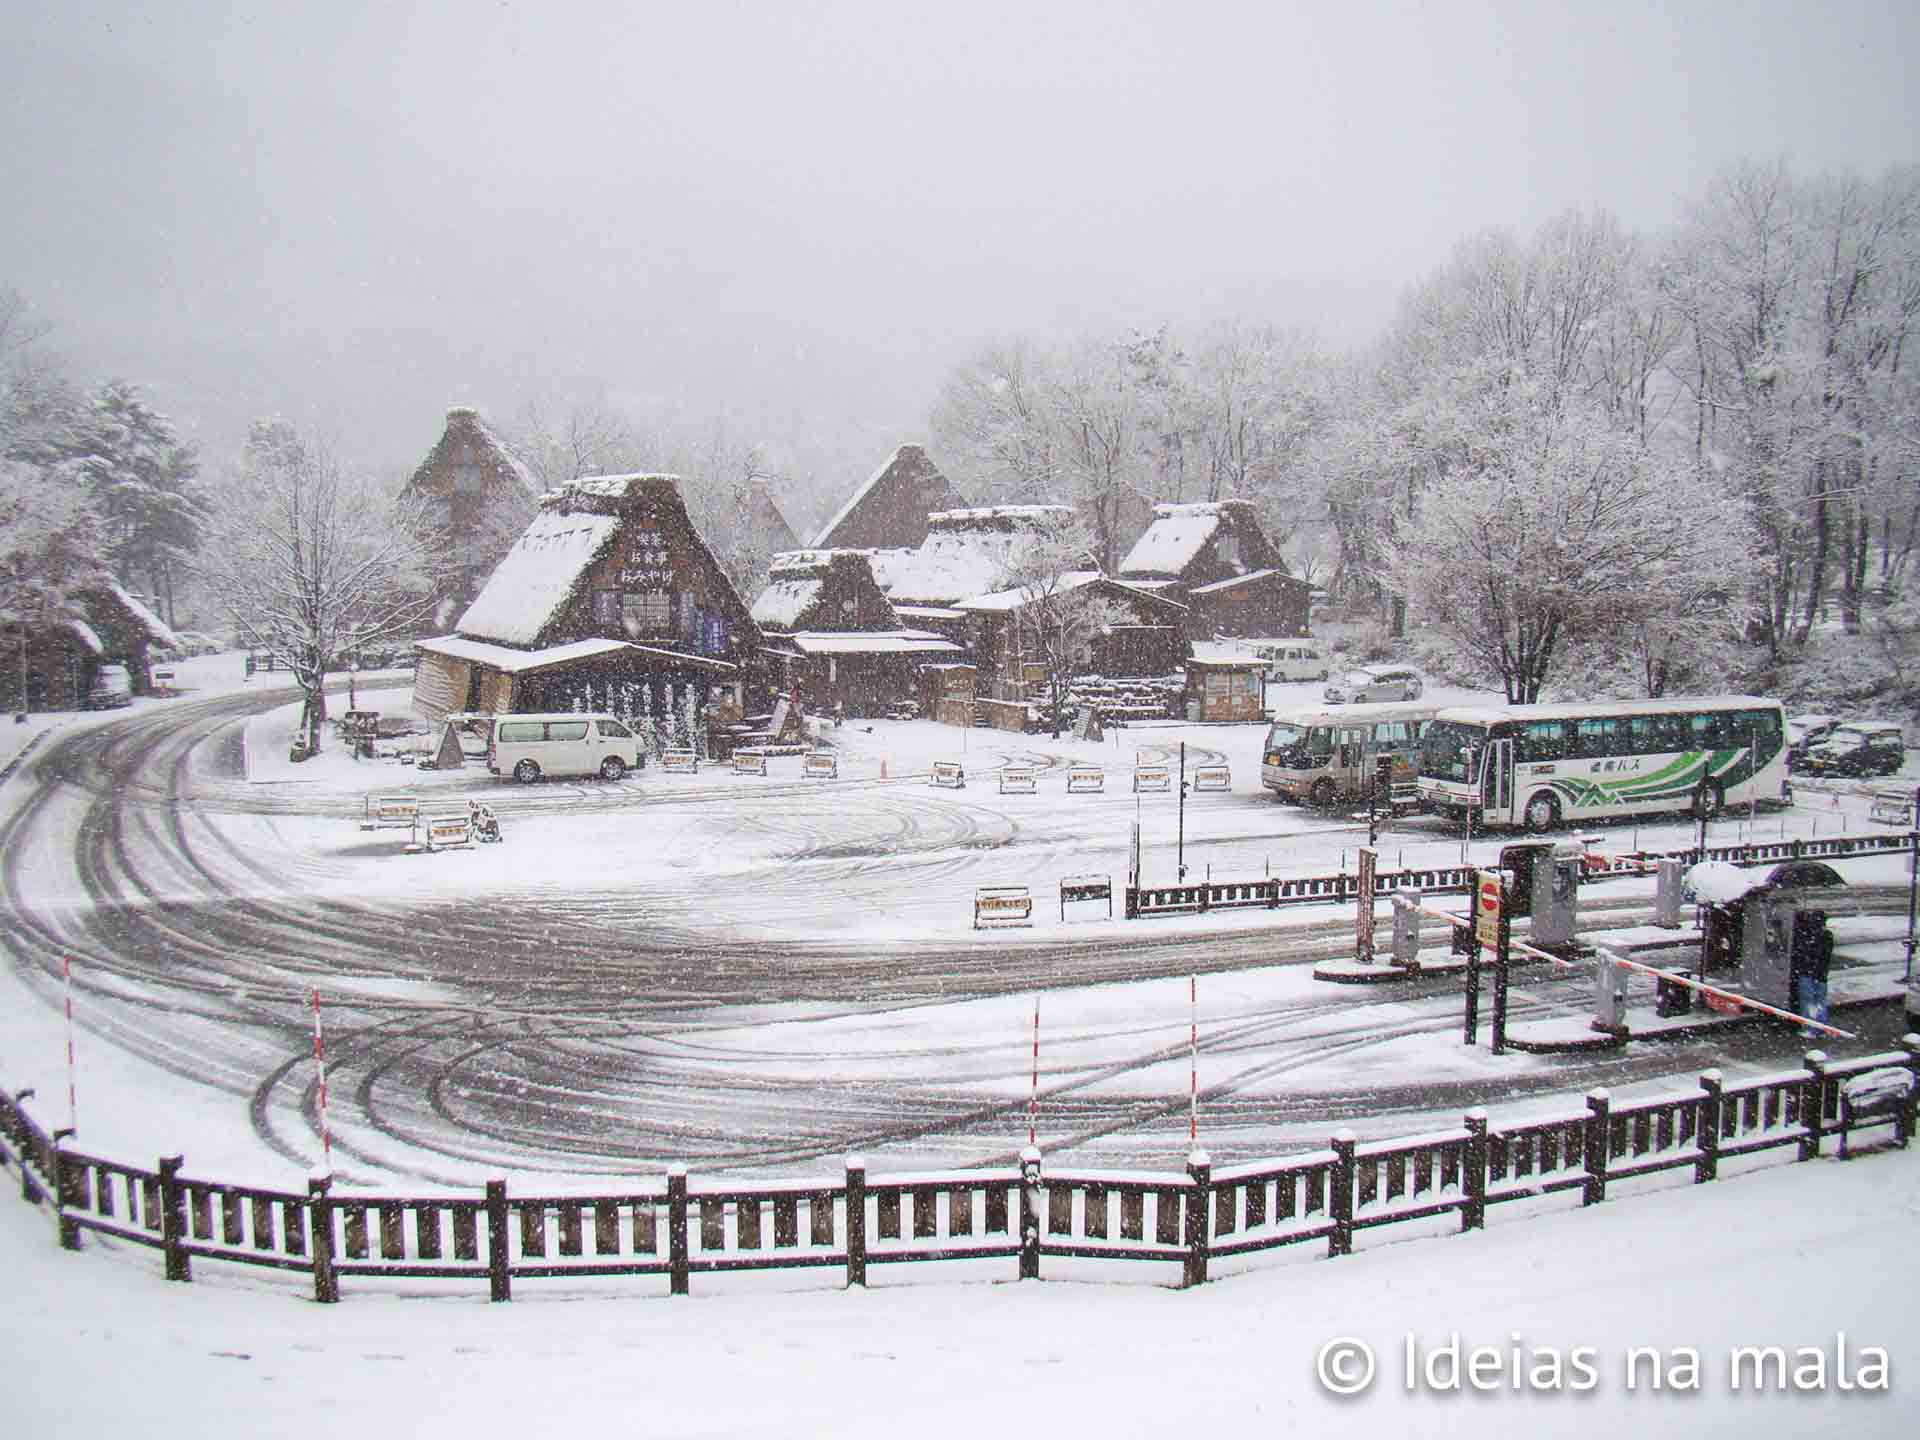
1181 847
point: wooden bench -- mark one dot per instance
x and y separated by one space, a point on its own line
1879 1097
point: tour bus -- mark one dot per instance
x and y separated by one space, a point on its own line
530 746
1541 766
1324 755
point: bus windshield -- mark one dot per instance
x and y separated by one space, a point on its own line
1443 749
1286 738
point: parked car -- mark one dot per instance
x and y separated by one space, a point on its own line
528 747
1291 659
112 688
1859 747
1804 732
1375 682
197 642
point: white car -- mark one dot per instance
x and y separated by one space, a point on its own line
1375 682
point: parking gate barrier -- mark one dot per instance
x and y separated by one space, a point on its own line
821 766
749 762
680 762
948 775
1017 780
1212 777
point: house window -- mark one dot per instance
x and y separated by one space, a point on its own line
646 612
606 608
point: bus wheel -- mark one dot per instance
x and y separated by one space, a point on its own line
1708 801
1322 794
1543 812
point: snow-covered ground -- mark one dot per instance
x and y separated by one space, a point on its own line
830 953
1820 1256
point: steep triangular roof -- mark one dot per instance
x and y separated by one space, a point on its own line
468 441
765 523
809 590
575 525
890 510
1182 534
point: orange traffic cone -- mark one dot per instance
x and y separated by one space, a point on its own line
883 767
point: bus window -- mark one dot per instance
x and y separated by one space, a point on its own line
1643 735
1540 740
1709 733
1598 736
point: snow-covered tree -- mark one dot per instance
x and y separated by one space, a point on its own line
145 489
1060 612
1566 532
308 562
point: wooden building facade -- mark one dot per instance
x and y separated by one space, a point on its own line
609 592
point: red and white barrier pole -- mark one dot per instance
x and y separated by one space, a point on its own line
1193 1059
320 1067
1033 1094
73 1105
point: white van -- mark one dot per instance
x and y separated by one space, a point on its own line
530 746
112 688
1292 659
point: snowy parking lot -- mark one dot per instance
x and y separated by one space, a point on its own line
738 972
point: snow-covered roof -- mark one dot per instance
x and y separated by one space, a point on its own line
1037 516
155 627
1221 657
1003 600
1490 714
1177 534
929 612
613 487
512 661
1232 580
784 601
511 462
872 642
966 553
515 662
536 577
907 485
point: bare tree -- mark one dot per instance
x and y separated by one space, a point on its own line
1061 609
309 562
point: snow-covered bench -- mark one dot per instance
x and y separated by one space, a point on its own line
1879 1097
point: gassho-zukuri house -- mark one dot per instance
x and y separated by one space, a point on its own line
1213 557
837 635
608 591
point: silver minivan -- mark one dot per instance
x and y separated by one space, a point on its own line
1375 682
530 746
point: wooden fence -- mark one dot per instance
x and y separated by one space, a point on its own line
678 1229
1273 892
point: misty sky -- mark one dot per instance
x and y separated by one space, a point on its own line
356 213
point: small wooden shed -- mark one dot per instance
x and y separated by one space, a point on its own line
1225 687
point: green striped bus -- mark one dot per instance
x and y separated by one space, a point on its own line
1544 766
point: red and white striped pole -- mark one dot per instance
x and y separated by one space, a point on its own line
73 1104
1033 1094
320 1066
1193 1059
